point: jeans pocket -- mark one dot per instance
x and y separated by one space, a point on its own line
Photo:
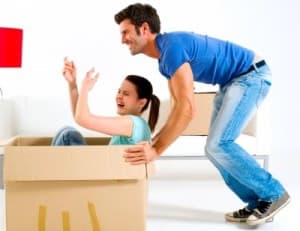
264 89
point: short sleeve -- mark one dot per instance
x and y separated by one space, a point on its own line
172 58
141 130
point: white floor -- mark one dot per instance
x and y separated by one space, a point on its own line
190 195
196 199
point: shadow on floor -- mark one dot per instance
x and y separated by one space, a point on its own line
173 212
187 214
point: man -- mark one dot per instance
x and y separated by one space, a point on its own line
244 79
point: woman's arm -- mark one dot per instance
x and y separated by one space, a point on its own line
69 72
119 125
73 91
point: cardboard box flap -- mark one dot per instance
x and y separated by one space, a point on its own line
69 163
46 141
9 141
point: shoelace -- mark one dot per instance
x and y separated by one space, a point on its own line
263 206
243 212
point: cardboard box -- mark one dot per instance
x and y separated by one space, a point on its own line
73 187
199 126
204 106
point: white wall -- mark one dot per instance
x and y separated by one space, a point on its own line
86 32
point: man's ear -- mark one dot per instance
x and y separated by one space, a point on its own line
145 28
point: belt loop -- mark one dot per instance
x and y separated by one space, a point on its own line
255 67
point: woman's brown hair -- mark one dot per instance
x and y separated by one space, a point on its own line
144 90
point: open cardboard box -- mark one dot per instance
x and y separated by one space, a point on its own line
73 187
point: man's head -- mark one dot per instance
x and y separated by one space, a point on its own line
138 14
139 25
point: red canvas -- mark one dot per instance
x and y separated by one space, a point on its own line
11 47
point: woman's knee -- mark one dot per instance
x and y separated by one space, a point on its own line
65 129
73 136
68 136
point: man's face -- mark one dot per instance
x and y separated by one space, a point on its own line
129 36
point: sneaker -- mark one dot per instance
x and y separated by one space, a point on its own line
266 210
239 216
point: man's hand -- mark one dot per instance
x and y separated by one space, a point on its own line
140 154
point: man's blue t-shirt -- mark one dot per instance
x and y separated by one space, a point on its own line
140 132
212 61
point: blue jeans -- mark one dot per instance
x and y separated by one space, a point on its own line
68 136
234 105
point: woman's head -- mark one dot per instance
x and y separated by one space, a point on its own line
134 97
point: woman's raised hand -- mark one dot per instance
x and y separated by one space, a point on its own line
90 80
69 71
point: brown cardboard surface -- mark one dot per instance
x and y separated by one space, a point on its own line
108 205
32 163
73 188
199 126
204 106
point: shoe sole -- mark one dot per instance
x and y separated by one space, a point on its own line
268 218
237 220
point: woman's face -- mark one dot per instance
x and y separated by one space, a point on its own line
127 100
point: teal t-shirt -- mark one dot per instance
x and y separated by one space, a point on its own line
140 132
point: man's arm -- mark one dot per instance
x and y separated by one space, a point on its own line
181 87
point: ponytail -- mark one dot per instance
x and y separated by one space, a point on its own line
154 112
144 90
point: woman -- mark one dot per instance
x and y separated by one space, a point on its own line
133 98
